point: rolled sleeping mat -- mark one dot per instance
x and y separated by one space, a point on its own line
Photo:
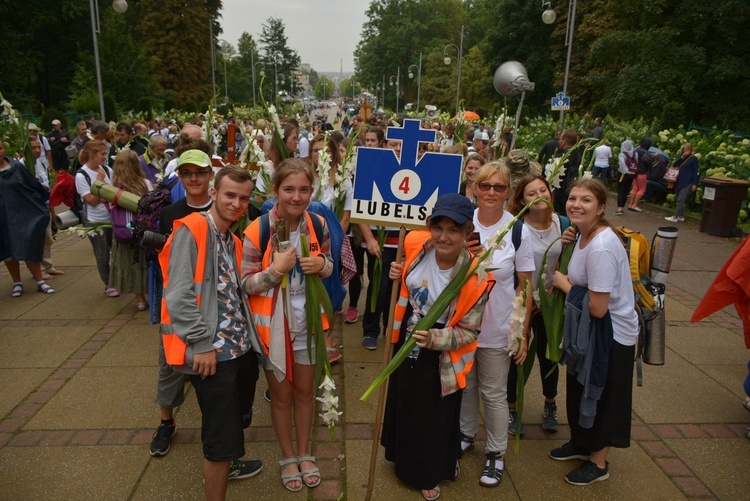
66 220
115 195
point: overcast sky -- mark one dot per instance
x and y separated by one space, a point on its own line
323 32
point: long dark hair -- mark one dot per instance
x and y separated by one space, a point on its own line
517 202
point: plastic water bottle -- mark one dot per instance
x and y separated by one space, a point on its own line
413 321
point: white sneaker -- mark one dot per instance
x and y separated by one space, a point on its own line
673 219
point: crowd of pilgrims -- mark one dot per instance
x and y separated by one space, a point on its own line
463 361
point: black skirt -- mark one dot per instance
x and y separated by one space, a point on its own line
613 410
421 427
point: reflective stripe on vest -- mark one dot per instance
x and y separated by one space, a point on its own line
262 304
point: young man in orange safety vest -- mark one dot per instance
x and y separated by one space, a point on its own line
207 328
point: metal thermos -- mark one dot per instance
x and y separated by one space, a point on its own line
662 251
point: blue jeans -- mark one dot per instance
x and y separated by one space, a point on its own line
600 172
653 187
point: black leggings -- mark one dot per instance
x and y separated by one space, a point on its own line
623 189
549 383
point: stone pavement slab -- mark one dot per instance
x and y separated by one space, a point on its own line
102 398
16 384
67 473
42 346
722 464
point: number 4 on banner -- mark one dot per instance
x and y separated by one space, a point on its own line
404 186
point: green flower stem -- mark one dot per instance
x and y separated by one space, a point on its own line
316 296
377 271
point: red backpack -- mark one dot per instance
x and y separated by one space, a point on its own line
631 163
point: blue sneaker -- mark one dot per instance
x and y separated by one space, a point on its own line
549 417
514 427
370 342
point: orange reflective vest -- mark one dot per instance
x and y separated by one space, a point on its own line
262 304
174 346
461 358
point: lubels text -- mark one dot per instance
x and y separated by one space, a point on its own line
377 209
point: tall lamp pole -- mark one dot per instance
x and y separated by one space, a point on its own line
569 42
419 77
447 61
252 65
120 6
397 77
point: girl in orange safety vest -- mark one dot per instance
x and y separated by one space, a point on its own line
421 425
273 274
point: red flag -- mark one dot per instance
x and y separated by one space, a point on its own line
731 286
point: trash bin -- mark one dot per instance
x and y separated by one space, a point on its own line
722 199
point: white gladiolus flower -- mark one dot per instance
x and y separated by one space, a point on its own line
588 174
330 416
327 384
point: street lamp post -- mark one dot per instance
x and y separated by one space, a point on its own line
447 61
419 77
252 65
569 42
120 6
377 88
548 17
397 76
281 77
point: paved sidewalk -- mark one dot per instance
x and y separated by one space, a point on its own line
78 378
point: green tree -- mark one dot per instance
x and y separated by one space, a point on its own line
515 32
324 89
125 70
346 87
397 31
176 34
278 57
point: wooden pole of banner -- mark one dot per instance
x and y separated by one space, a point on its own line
387 352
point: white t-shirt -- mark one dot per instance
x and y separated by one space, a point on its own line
603 267
425 283
303 147
540 241
94 213
328 199
505 262
602 154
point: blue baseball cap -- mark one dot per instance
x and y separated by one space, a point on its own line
454 206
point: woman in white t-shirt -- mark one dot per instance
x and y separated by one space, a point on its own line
541 227
600 264
489 376
94 158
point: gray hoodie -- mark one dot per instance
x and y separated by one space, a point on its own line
626 148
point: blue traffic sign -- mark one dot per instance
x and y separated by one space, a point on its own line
560 102
389 191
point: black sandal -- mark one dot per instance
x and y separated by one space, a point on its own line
17 290
469 440
492 476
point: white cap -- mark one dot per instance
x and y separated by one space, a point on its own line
33 127
55 122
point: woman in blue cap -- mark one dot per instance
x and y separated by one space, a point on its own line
421 425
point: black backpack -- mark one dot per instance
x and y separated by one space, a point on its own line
79 206
150 206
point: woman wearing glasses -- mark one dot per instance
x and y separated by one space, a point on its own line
493 361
